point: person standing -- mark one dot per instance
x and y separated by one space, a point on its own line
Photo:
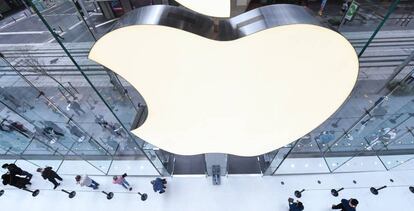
120 180
76 132
159 185
86 181
75 106
346 205
49 174
15 170
295 206
13 180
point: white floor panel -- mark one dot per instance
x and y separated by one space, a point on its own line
133 167
303 165
361 163
398 162
83 167
407 165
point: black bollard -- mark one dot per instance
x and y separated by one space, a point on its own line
1 192
411 188
375 190
34 193
109 195
298 194
144 196
336 192
71 194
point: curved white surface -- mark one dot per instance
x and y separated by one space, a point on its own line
245 97
214 8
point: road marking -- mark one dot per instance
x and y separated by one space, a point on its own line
25 32
51 40
6 25
110 21
75 25
46 10
95 13
68 9
70 28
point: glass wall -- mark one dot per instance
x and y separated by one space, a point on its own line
57 105
372 130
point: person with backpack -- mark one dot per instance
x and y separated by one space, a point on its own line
158 185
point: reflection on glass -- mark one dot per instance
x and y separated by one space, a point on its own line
274 160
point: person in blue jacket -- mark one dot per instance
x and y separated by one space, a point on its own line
346 205
159 185
295 206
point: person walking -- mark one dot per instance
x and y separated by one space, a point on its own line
346 205
49 174
57 34
13 180
15 170
86 181
295 206
76 132
75 106
158 185
120 180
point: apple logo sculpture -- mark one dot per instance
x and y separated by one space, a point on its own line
245 86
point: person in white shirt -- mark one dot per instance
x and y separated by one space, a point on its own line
84 180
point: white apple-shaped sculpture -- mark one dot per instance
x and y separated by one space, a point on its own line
245 97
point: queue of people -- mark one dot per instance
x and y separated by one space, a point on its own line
17 177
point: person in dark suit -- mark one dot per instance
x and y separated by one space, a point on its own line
15 170
158 185
49 174
295 206
346 205
13 180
